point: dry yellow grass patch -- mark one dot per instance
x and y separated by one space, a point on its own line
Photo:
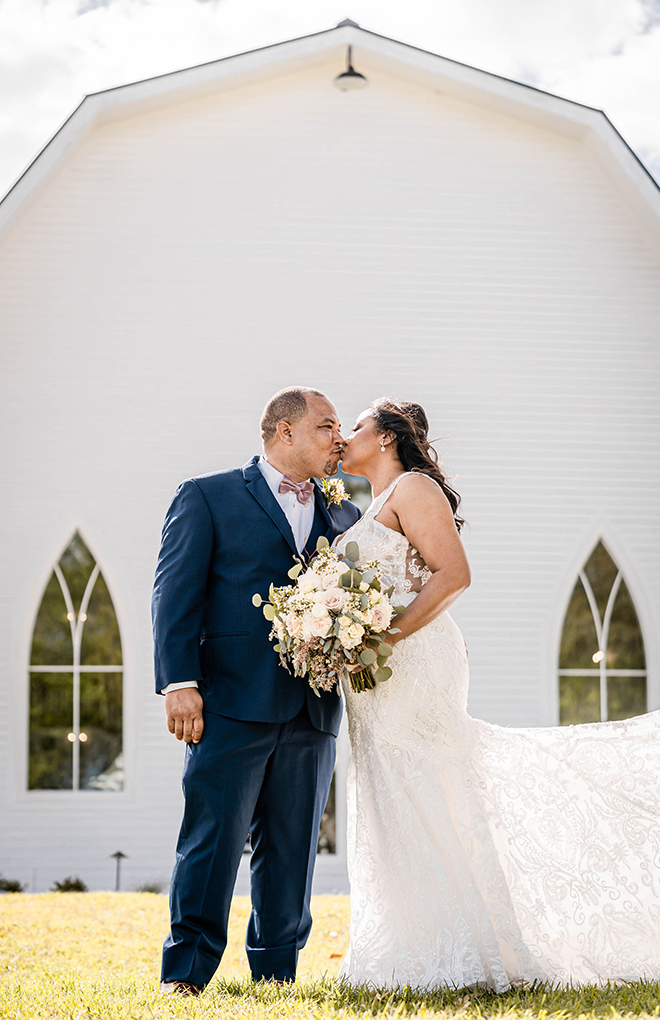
96 956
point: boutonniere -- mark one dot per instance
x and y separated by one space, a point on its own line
334 491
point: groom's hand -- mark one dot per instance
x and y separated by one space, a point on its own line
184 714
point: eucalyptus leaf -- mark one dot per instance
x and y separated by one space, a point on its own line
389 591
356 578
364 601
369 575
257 600
321 543
384 649
278 648
382 674
349 564
368 656
399 609
393 630
295 570
345 580
353 551
269 611
375 584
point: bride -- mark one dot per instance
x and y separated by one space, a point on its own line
477 854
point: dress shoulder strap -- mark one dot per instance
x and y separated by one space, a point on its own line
379 502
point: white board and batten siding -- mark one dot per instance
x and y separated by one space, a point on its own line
182 263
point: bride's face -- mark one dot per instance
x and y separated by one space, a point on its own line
362 445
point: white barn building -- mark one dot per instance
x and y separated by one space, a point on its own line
187 245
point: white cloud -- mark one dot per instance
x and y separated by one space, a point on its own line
605 53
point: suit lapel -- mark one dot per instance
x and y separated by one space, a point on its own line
320 499
258 487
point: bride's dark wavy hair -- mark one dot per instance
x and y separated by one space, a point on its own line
410 426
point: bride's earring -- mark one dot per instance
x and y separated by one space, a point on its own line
382 447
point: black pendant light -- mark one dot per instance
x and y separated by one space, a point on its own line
350 79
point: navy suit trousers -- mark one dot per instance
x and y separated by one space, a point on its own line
271 779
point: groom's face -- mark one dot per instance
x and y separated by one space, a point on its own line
317 441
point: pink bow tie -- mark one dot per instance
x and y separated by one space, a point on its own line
303 490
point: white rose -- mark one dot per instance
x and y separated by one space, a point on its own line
381 616
333 598
306 626
330 580
309 581
350 634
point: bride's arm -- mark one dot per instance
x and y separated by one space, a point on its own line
424 516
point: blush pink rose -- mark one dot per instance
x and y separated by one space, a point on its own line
293 624
320 625
333 598
381 616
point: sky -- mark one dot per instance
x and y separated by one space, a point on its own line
605 53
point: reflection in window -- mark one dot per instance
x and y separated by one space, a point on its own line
76 681
602 667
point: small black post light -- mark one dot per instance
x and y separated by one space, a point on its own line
350 79
119 857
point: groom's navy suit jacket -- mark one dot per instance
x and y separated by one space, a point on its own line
226 538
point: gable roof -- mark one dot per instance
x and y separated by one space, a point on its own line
370 50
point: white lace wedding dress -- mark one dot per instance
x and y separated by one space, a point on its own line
480 855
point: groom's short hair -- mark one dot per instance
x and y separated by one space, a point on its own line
290 405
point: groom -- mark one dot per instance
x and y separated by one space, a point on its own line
261 744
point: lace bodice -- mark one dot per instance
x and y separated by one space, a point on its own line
400 562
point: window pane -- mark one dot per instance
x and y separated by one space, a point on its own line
51 641
101 731
578 639
327 843
579 699
101 645
626 696
601 571
358 489
625 648
77 564
51 721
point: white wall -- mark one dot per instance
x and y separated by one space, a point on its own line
185 264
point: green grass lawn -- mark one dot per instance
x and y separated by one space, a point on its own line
80 955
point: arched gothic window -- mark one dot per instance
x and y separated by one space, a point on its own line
76 681
602 666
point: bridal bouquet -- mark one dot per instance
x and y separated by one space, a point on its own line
329 624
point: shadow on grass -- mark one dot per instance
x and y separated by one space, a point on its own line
640 997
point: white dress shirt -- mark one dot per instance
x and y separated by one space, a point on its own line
300 516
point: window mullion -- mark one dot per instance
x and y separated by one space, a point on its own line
599 634
606 632
75 722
